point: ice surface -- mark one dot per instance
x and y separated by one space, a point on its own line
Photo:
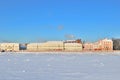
59 66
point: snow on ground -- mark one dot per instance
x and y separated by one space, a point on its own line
59 66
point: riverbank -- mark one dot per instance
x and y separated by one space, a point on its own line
66 52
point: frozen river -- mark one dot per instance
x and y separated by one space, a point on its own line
59 67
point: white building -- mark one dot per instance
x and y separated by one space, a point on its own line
9 47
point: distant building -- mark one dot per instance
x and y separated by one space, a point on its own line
73 45
9 47
106 44
69 45
32 46
88 46
116 44
47 46
101 45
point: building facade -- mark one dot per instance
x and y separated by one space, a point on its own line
88 46
106 44
73 45
47 46
70 45
101 45
9 47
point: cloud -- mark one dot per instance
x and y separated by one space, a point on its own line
60 27
69 36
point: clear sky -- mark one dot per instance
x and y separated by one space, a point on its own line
39 20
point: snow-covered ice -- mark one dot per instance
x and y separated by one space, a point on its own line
59 66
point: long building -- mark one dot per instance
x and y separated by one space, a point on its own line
70 45
9 47
47 46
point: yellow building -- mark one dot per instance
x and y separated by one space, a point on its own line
52 46
47 46
9 47
32 46
73 47
55 46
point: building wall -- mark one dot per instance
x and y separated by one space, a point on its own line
88 46
73 47
0 46
9 46
54 46
106 44
101 45
47 46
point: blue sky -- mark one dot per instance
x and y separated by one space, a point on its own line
39 20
